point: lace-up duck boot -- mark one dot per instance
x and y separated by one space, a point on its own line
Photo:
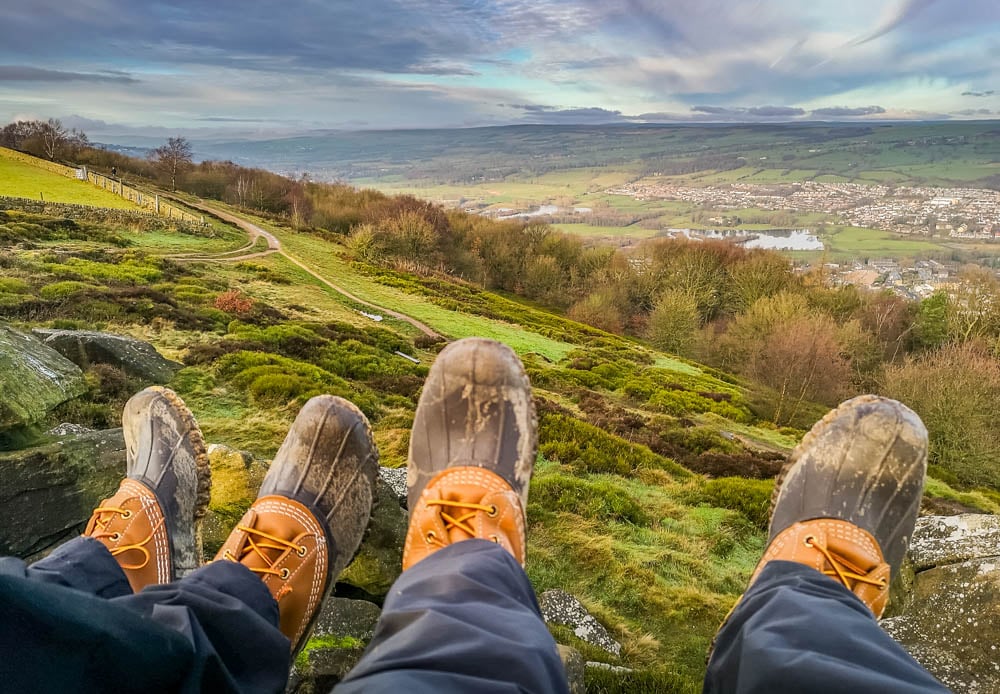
152 524
847 501
472 451
311 513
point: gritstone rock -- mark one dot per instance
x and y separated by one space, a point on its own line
950 619
559 607
35 379
395 479
343 629
575 669
380 559
48 492
134 357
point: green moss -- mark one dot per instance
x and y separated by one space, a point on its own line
325 643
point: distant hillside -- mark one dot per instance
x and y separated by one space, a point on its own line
959 152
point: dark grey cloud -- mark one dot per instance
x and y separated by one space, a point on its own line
590 115
991 92
775 111
28 73
532 108
974 112
847 112
752 111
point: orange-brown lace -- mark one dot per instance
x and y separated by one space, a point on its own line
258 542
842 569
104 516
462 521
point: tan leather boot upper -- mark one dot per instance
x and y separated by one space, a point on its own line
461 503
838 549
132 526
281 541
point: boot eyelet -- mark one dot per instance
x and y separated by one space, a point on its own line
492 513
285 573
808 542
126 514
115 537
302 551
430 537
495 538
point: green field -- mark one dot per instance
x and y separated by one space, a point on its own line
19 179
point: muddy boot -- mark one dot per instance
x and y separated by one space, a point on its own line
847 500
152 524
311 512
472 451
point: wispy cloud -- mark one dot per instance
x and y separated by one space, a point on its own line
27 73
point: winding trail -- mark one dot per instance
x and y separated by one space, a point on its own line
254 233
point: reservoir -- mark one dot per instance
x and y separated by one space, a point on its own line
771 239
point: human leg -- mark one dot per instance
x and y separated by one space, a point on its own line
311 512
217 629
842 515
463 616
147 532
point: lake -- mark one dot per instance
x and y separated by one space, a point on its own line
771 239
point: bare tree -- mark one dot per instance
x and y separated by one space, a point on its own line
54 135
172 158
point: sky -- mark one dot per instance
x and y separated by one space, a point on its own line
263 67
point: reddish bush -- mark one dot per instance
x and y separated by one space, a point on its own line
234 301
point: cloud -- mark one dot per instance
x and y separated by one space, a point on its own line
27 73
974 112
751 112
991 92
589 115
846 112
904 12
533 108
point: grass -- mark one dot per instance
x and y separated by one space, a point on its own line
323 256
855 241
19 178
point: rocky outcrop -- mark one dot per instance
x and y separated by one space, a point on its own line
395 479
48 492
35 379
949 617
236 477
134 357
380 559
575 667
342 631
559 607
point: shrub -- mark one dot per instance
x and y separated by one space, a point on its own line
234 302
12 285
61 290
587 448
955 391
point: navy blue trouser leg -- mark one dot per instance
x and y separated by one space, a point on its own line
464 619
797 630
71 623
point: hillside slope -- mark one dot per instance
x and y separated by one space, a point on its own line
621 511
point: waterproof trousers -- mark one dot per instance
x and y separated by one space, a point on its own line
463 620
